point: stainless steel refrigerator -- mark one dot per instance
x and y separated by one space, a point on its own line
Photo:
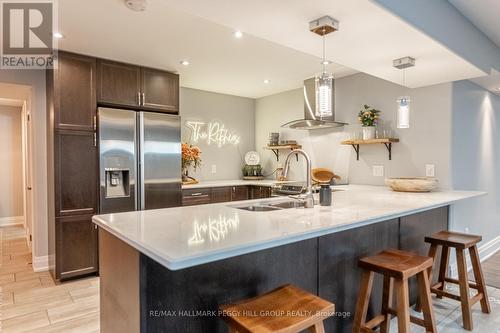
140 160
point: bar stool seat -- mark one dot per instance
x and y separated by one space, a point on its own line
397 267
287 309
460 242
453 239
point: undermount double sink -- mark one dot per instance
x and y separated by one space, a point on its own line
271 206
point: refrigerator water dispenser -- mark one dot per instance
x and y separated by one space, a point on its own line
117 183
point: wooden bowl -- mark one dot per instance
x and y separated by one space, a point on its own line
417 184
323 175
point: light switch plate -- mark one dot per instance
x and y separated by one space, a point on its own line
378 171
430 170
214 168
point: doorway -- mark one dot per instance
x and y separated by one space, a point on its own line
16 162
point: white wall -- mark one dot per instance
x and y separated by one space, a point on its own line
11 162
476 158
34 82
426 142
238 116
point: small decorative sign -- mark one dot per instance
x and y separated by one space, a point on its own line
212 133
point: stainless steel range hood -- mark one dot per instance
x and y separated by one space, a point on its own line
311 121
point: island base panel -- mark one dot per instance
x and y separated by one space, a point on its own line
119 285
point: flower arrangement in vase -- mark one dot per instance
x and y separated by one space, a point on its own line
368 117
191 157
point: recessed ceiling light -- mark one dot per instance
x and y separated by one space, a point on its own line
237 34
266 81
498 88
58 35
326 62
184 62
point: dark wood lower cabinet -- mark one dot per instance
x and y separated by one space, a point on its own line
76 244
239 193
220 194
202 196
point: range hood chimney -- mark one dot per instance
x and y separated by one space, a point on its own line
311 119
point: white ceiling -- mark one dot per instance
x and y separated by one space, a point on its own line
162 36
276 46
485 15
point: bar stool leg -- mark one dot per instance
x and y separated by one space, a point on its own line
426 302
478 275
363 301
403 309
386 304
433 254
443 268
464 290
318 328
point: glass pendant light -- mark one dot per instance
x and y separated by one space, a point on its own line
324 88
403 102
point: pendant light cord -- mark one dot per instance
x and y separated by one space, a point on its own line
324 52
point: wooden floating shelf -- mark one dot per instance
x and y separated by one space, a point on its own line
276 149
356 143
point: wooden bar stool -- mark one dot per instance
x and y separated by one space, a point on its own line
397 267
287 309
460 242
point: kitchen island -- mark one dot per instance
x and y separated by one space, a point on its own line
168 270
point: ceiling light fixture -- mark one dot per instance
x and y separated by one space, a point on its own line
237 34
137 5
58 35
184 62
324 82
266 81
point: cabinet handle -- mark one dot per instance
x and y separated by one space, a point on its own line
143 99
95 140
139 98
95 226
95 123
197 194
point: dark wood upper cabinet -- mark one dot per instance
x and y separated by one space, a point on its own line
160 90
77 244
118 84
76 86
75 173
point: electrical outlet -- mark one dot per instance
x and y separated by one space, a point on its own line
378 171
430 170
214 168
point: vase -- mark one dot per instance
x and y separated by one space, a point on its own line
368 132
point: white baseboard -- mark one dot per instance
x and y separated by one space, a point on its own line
11 220
41 264
485 252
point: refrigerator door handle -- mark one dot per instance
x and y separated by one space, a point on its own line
141 196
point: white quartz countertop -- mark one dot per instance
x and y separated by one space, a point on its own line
188 236
236 182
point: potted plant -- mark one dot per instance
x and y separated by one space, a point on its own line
368 117
191 156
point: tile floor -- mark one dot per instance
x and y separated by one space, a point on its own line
30 302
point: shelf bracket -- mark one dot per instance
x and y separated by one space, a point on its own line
389 148
277 153
356 149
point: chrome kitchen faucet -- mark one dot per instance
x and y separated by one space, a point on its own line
308 196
